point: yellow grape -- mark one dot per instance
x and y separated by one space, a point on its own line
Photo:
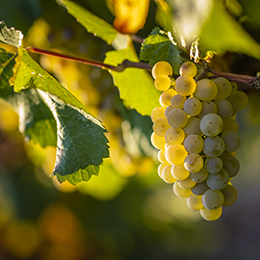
157 141
160 126
175 154
157 112
162 82
188 68
185 85
179 172
194 202
211 215
166 96
161 68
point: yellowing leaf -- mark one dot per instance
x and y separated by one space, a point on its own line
130 15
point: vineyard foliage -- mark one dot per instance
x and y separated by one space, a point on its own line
51 115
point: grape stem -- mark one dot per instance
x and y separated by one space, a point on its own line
119 68
244 79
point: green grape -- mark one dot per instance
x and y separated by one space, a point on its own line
166 174
234 104
188 68
192 126
230 195
212 199
175 154
185 85
160 126
166 96
218 181
199 176
193 143
213 146
188 183
192 106
241 99
224 108
180 192
234 88
157 141
211 124
194 202
200 188
232 140
174 136
177 118
211 214
179 172
161 156
230 124
224 88
193 162
157 112
167 110
161 68
207 107
213 164
230 164
162 82
206 90
177 101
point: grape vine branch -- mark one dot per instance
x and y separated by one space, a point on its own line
244 79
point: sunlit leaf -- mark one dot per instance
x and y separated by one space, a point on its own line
10 36
159 47
135 85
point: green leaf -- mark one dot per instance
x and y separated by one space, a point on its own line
159 47
10 36
81 144
135 85
222 33
36 121
92 23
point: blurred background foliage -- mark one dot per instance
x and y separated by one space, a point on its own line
126 212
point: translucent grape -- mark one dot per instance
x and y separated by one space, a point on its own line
199 176
157 141
194 202
174 136
193 143
177 101
230 195
211 214
175 154
179 172
224 88
230 164
162 82
213 164
177 118
157 112
230 124
219 180
161 68
206 90
185 85
207 107
213 146
188 68
212 199
232 140
166 96
161 156
211 124
224 108
180 192
187 183
166 174
160 126
200 188
160 169
193 162
192 126
192 106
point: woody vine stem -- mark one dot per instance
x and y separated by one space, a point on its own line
244 79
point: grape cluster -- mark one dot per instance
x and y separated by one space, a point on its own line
197 136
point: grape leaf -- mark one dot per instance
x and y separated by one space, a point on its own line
81 143
159 47
135 85
222 33
36 121
92 23
10 36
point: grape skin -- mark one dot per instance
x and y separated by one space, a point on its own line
192 126
175 154
185 85
199 176
193 143
211 215
213 164
230 195
206 90
211 124
232 140
162 82
200 188
161 68
224 88
177 118
192 106
157 112
180 192
188 68
218 181
193 162
194 202
160 126
179 172
213 146
212 199
174 136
